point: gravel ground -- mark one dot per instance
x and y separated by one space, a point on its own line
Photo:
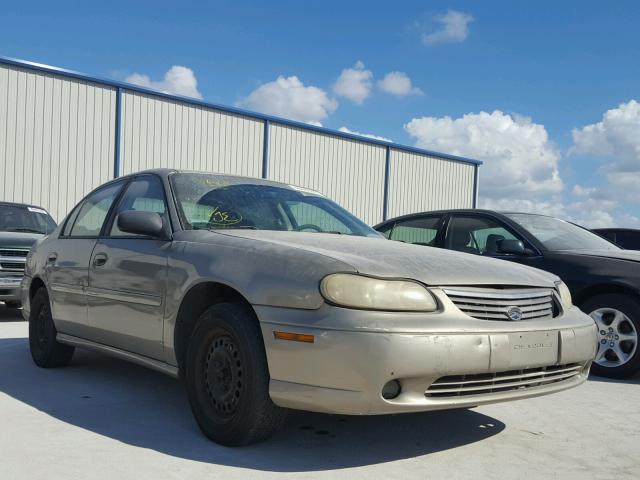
102 418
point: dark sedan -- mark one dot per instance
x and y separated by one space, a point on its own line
604 279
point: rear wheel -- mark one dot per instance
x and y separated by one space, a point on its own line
618 319
227 377
46 351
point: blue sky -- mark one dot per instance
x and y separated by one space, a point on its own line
544 74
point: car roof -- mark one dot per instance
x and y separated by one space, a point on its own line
166 172
616 229
16 204
460 210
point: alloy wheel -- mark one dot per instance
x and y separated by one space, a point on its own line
617 337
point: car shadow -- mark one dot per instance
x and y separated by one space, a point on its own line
10 314
634 380
143 408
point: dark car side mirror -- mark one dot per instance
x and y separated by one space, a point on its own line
141 223
511 247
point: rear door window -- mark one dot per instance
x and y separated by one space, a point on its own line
418 231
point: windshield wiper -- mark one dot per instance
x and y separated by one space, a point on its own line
234 227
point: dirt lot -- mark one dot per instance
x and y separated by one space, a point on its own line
103 418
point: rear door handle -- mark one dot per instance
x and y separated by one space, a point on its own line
52 258
100 259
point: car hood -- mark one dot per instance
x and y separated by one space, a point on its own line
630 255
18 239
386 258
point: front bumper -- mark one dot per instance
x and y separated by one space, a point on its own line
10 290
344 370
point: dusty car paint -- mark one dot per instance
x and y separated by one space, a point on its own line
132 313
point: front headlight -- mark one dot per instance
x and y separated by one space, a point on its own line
565 294
357 291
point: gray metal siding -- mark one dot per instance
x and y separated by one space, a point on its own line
157 132
347 171
421 183
57 138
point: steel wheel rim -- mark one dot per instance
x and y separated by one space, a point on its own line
223 375
617 337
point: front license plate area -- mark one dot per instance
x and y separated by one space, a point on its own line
534 348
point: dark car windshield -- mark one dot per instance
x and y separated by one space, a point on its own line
557 235
219 202
22 218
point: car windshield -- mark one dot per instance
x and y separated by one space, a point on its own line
21 218
216 202
557 235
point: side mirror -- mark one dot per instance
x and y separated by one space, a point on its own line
141 223
511 247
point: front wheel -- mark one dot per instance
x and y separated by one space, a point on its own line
46 351
227 377
618 319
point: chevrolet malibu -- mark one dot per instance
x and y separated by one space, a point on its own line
264 297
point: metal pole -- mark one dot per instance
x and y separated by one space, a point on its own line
265 150
118 126
387 173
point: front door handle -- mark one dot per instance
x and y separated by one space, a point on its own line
100 259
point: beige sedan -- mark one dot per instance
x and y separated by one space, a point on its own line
265 296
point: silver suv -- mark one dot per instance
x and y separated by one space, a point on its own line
20 227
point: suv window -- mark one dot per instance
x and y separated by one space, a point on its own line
144 194
419 231
93 212
24 218
478 235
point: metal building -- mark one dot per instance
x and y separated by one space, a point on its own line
63 133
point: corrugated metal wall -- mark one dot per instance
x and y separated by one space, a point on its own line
420 183
160 133
58 142
347 171
56 138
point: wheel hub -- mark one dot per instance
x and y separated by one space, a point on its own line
223 375
617 337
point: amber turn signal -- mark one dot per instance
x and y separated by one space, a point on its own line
294 337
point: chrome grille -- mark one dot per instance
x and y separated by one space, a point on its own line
491 304
12 266
13 253
13 259
480 384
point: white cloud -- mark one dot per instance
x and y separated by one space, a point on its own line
616 136
288 97
399 84
177 80
616 140
519 159
354 83
455 28
367 135
580 191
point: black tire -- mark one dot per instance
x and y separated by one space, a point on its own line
227 377
46 351
630 307
12 305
